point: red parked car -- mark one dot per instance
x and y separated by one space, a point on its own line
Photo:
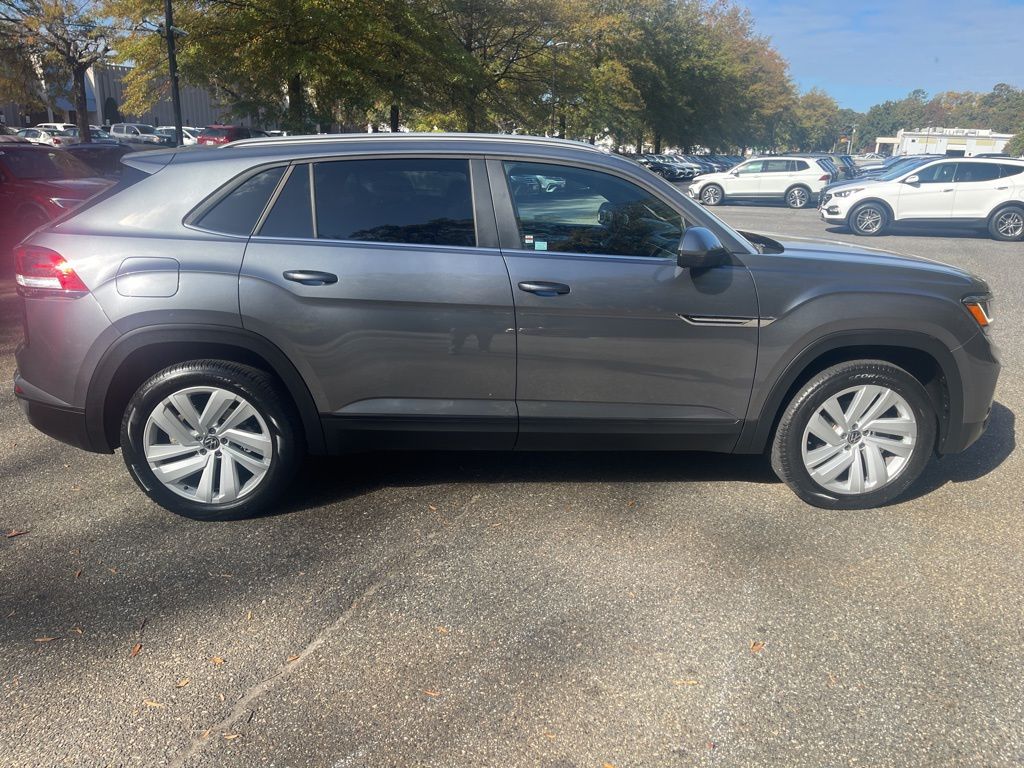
215 135
39 183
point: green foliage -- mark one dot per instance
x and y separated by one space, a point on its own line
1015 147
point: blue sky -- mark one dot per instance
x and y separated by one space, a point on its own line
866 51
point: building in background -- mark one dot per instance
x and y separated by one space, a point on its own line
955 142
104 95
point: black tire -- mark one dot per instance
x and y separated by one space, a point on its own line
712 194
260 391
1007 224
786 454
861 217
798 196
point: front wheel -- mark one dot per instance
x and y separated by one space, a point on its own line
210 440
869 219
1007 224
711 194
855 436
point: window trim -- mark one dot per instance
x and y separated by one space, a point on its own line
192 218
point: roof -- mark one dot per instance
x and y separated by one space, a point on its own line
343 138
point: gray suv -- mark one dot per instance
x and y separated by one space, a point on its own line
218 315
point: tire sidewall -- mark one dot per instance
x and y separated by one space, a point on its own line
995 232
721 195
787 459
234 378
807 199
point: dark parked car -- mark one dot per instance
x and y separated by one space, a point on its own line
397 291
215 135
103 156
39 183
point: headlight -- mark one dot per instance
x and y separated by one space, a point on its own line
65 202
848 192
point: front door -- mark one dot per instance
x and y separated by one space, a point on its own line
746 181
398 319
618 347
931 197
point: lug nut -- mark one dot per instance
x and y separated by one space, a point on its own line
223 441
202 451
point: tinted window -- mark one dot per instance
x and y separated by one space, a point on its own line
573 210
940 173
44 164
977 172
238 213
215 133
800 165
1010 170
776 166
292 214
426 202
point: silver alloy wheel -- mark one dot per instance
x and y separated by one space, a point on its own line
711 195
869 220
797 197
208 445
1010 224
859 440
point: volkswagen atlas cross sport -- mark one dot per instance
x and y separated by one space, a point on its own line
218 315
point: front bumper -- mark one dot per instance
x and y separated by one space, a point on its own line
979 365
832 209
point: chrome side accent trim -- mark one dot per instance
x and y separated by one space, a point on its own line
723 321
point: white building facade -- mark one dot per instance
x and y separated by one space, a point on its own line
954 142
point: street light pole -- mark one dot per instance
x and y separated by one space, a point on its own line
172 61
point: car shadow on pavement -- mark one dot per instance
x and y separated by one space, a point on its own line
991 450
941 232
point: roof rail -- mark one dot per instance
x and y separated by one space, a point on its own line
326 138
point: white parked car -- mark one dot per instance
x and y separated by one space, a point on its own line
796 180
189 135
972 192
56 126
51 137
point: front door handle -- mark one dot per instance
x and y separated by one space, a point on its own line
950 189
543 288
310 277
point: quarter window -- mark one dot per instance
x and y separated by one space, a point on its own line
238 212
1010 170
423 202
292 214
574 210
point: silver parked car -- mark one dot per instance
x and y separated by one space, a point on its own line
218 315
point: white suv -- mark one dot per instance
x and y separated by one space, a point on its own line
974 192
793 179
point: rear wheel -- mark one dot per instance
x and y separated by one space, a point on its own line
712 194
1007 223
869 219
856 436
210 440
798 197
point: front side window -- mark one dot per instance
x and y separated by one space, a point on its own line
575 210
940 173
415 201
754 166
238 211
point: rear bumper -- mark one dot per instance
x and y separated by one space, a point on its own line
62 423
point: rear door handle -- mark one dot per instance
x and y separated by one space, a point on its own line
1002 188
543 288
949 190
310 277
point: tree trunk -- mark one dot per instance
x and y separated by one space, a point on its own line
471 110
296 103
394 118
81 105
561 126
639 143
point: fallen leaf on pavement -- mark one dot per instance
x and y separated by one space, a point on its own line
607 765
46 639
76 630
432 507
712 746
151 703
135 650
14 532
78 573
230 736
631 503
216 661
686 682
182 683
757 646
248 616
432 694
112 570
293 657
442 630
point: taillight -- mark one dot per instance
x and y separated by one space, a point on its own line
825 177
41 270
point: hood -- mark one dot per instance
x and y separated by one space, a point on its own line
80 189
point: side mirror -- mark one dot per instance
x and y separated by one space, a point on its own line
915 179
700 248
734 172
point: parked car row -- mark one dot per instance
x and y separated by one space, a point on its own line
143 134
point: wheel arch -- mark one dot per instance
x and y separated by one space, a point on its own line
888 208
924 357
137 355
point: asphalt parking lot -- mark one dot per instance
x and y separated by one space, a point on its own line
551 610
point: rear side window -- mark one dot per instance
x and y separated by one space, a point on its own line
423 202
799 165
776 166
292 214
977 172
238 212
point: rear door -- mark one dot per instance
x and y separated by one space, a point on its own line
931 196
618 346
980 187
381 279
776 177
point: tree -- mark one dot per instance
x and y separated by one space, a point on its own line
814 125
62 38
1015 147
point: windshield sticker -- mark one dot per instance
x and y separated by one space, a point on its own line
540 245
528 239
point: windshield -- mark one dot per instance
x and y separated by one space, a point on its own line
145 128
45 165
899 168
215 132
